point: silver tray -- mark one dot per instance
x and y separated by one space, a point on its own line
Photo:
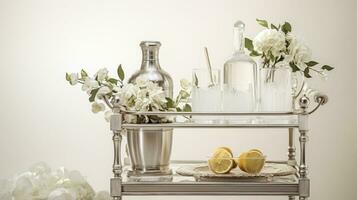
201 172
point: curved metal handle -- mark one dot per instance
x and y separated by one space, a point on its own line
319 97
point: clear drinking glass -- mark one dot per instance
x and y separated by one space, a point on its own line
206 93
276 92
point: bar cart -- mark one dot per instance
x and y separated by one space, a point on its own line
300 186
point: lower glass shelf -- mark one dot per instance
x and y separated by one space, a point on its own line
187 185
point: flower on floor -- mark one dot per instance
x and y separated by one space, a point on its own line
41 183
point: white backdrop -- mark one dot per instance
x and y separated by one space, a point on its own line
42 118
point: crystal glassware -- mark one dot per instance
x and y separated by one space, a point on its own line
206 93
276 89
240 77
240 92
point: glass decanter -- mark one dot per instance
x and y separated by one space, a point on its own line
240 77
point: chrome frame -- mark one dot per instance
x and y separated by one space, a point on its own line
301 188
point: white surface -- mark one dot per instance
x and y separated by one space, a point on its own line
44 119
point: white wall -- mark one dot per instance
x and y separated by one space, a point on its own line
42 118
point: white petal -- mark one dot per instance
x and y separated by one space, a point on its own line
60 194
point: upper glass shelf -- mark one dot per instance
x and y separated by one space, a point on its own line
295 112
242 121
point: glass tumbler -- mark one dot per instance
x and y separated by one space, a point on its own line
206 93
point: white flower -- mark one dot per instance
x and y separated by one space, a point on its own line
270 40
42 184
73 78
127 94
97 107
61 194
107 115
298 52
142 104
103 91
185 84
102 195
89 84
23 186
102 74
141 81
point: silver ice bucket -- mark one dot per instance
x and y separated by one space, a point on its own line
150 151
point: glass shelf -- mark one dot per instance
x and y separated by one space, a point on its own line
187 185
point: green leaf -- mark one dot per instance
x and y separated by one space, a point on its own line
286 28
263 23
83 73
196 80
294 67
170 103
254 53
113 80
248 43
274 27
271 57
68 78
187 108
121 74
93 93
311 63
327 67
178 109
280 59
306 72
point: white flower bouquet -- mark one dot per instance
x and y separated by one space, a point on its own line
277 46
41 183
143 95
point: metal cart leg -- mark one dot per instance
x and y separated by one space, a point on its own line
115 126
291 148
115 184
304 182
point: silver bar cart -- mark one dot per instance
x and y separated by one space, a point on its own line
300 186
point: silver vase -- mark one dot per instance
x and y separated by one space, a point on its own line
150 150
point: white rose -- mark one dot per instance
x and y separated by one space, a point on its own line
97 107
61 194
270 40
102 74
73 78
298 52
103 91
89 84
